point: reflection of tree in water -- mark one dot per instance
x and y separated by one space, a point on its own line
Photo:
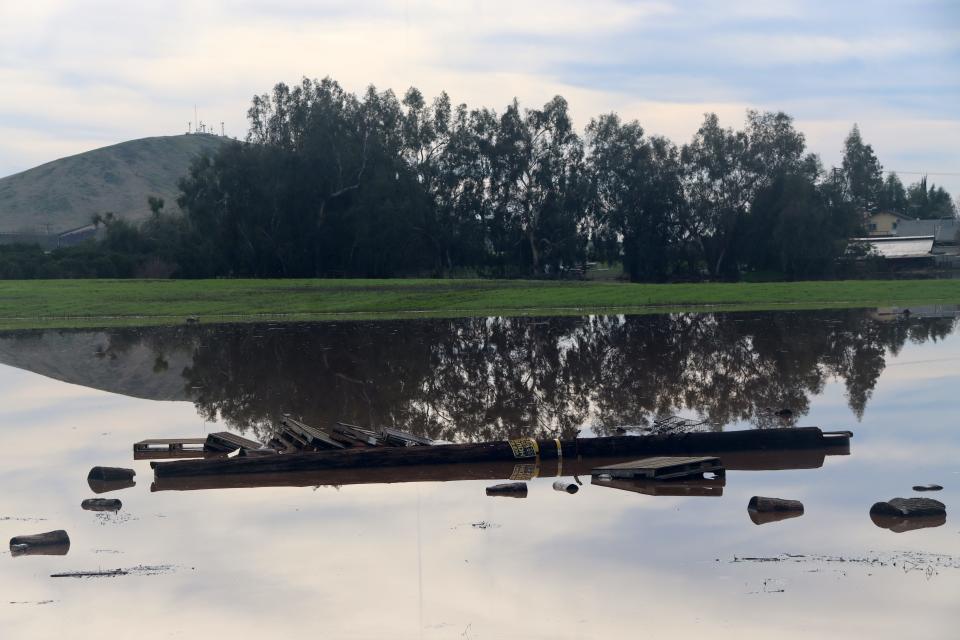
482 379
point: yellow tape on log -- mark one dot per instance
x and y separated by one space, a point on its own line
524 448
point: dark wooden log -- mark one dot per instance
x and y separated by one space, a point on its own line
764 510
103 486
711 443
101 504
508 490
110 474
565 486
909 507
51 543
907 514
927 487
765 460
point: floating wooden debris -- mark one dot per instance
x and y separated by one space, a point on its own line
51 543
108 474
764 510
906 514
699 487
565 486
660 468
160 448
927 487
508 490
101 504
226 442
772 443
502 470
103 479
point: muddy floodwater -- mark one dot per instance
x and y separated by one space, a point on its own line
444 560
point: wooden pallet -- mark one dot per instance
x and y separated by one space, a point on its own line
661 468
706 487
165 448
307 437
226 442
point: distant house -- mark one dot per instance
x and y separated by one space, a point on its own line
885 223
946 231
914 248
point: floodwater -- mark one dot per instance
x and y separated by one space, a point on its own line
443 560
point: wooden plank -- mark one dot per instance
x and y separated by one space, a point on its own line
704 487
660 468
311 436
399 438
225 441
624 447
159 448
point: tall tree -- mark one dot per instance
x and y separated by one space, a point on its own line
862 173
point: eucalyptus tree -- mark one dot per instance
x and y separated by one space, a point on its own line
537 187
636 196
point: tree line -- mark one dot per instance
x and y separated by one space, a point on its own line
331 183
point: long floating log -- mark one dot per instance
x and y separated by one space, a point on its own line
564 452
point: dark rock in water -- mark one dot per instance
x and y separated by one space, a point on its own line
103 479
927 487
51 543
763 510
101 504
508 490
906 514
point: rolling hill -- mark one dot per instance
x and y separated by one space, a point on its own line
65 193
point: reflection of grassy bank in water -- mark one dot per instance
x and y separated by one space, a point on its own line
75 303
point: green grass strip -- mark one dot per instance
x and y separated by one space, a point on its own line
94 303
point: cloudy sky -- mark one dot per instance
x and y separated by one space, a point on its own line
75 75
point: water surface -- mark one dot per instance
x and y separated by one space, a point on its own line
442 560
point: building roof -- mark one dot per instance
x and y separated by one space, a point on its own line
944 230
900 247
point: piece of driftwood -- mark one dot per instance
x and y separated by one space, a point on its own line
256 453
626 447
661 468
51 543
111 474
764 510
101 504
907 514
700 487
909 507
104 479
927 487
754 460
226 442
508 490
565 486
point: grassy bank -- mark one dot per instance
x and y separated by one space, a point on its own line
76 303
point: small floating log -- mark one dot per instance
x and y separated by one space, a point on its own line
508 490
104 479
51 543
907 514
710 443
927 487
101 504
111 474
565 486
765 510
